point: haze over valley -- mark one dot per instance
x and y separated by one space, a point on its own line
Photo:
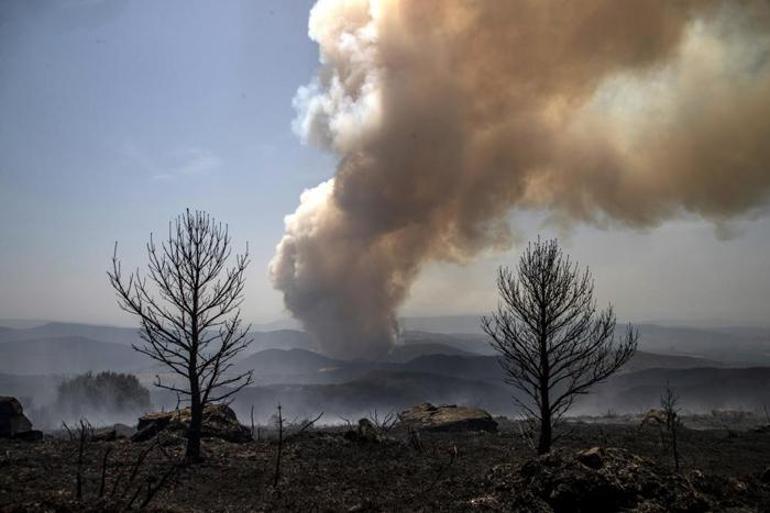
713 369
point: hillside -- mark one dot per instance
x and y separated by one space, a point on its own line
413 349
381 390
728 345
736 345
699 389
50 330
67 355
289 366
423 366
300 366
467 342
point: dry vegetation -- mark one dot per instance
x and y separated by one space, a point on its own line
322 470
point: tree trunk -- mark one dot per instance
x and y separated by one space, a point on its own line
544 444
193 453
546 434
674 446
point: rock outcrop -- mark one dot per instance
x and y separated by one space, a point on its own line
219 421
594 480
13 422
448 417
111 433
366 432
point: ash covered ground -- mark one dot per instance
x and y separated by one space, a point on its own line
322 469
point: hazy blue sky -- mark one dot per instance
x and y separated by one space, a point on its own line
116 115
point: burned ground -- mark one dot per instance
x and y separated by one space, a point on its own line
322 470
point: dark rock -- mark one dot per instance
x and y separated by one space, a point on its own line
366 432
13 422
318 438
33 435
449 417
596 480
219 421
111 433
104 435
591 458
765 477
149 432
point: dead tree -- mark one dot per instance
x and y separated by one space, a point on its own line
669 402
553 343
85 432
103 481
279 423
188 305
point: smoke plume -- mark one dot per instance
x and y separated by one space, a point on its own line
448 114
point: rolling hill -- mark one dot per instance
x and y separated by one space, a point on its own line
300 366
733 345
730 345
50 330
67 355
702 365
411 350
376 390
699 389
465 342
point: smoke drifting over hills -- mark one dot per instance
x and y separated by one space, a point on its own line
446 115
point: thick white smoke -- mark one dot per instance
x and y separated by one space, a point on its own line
446 114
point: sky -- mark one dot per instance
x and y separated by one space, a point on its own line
116 116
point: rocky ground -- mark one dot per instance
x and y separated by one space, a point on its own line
324 470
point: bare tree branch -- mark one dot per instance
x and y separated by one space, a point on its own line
188 306
554 344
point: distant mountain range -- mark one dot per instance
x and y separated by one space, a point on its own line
746 346
67 355
300 366
318 383
732 345
66 348
380 391
717 368
699 390
112 334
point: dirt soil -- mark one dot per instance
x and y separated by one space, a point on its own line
322 471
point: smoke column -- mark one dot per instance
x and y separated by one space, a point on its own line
448 114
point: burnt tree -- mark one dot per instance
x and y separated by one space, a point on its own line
669 402
188 305
553 343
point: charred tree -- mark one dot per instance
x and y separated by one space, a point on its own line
553 343
669 401
188 305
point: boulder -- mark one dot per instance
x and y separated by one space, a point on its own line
219 421
591 458
111 433
367 432
595 480
448 417
33 435
13 422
